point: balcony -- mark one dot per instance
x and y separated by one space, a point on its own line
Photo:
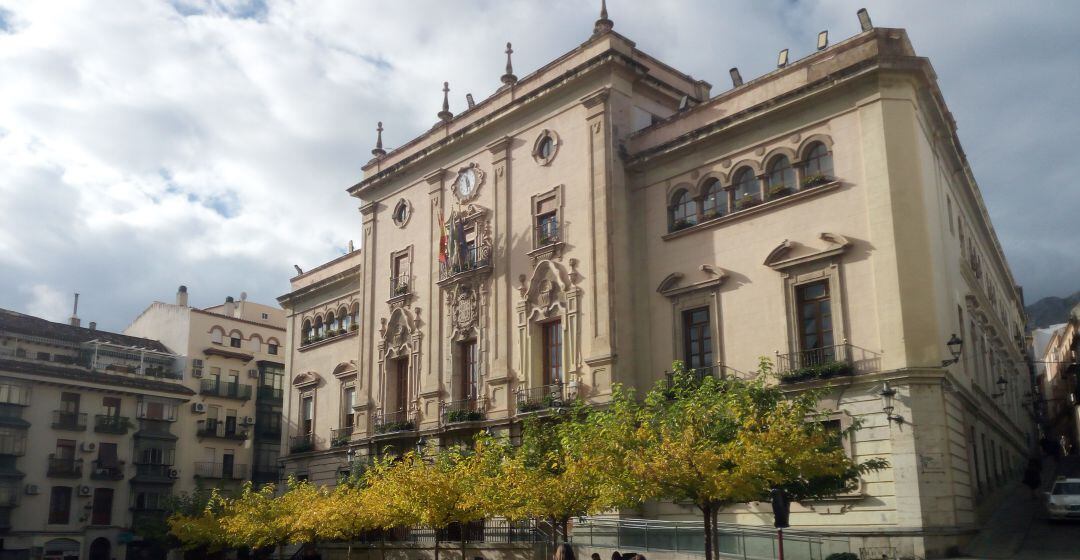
61 467
271 393
473 261
221 471
154 473
840 360
544 397
394 422
341 436
400 286
302 443
106 424
226 390
718 371
13 445
155 429
73 421
465 410
107 470
214 428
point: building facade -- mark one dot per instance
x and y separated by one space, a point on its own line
233 354
592 222
1058 382
87 437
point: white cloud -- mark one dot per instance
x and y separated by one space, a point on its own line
47 302
209 142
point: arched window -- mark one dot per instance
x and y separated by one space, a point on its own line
818 165
332 322
353 314
780 179
346 319
683 210
307 332
714 200
320 327
217 335
747 192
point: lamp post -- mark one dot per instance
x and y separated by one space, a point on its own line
956 346
1001 384
887 393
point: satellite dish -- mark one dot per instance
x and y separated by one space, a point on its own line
243 296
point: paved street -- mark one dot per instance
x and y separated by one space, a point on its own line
1048 540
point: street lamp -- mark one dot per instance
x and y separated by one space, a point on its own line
887 393
1001 383
956 345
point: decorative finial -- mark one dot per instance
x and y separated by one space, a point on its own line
378 151
603 25
509 77
445 115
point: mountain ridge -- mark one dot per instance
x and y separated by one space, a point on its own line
1051 310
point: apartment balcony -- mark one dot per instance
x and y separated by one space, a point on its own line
107 470
221 471
73 421
400 287
270 393
106 424
214 428
340 436
302 443
155 429
717 371
464 410
60 467
11 416
394 422
158 473
475 261
224 389
544 397
840 360
13 445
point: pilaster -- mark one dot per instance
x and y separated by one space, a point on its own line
599 201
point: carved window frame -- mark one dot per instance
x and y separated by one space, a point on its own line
408 209
407 252
550 250
555 143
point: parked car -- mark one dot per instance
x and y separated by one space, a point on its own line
1063 499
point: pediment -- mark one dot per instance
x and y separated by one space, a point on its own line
789 253
672 285
307 379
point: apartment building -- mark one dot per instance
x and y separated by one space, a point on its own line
591 222
1058 382
232 429
87 437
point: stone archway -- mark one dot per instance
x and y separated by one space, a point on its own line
100 549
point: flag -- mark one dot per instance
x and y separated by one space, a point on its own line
451 243
443 257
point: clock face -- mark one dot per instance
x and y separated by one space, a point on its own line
466 182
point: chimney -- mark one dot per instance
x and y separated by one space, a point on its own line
75 312
181 296
93 325
230 306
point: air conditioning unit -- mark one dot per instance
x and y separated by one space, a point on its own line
174 473
88 447
253 373
198 407
85 490
32 490
247 421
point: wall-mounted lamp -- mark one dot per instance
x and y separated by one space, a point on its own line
956 346
1001 384
420 443
887 393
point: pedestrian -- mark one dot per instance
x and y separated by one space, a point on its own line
564 552
1032 478
595 556
616 555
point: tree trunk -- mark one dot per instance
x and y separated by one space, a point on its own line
564 525
348 551
554 533
436 544
706 511
712 531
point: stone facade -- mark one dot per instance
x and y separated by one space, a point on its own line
1056 379
614 216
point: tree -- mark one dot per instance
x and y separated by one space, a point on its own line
199 529
259 519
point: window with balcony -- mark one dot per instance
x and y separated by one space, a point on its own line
697 338
307 414
400 281
780 177
683 210
547 221
101 508
714 203
60 505
817 165
399 386
348 401
747 190
68 414
468 374
815 320
552 344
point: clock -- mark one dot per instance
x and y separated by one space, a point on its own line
467 183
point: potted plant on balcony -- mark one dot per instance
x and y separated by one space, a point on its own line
778 190
711 214
746 201
354 327
826 370
681 223
464 416
401 289
815 180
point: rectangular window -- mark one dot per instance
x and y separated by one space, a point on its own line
400 281
102 507
271 349
234 341
69 403
815 323
547 221
697 338
107 456
401 384
307 414
60 505
552 347
230 422
348 399
155 411
468 381
111 406
65 449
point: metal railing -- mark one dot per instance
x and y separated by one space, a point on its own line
543 397
301 443
340 436
547 233
732 541
483 531
65 467
474 257
267 392
107 424
153 470
464 410
226 389
400 285
213 427
224 471
397 421
13 444
717 371
107 470
63 420
826 362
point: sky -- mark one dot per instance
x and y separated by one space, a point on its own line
144 145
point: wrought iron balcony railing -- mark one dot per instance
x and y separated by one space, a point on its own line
400 285
397 421
340 436
548 233
472 258
108 424
74 421
215 428
543 397
226 389
717 371
301 443
154 471
65 467
826 362
13 444
107 470
223 471
464 410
